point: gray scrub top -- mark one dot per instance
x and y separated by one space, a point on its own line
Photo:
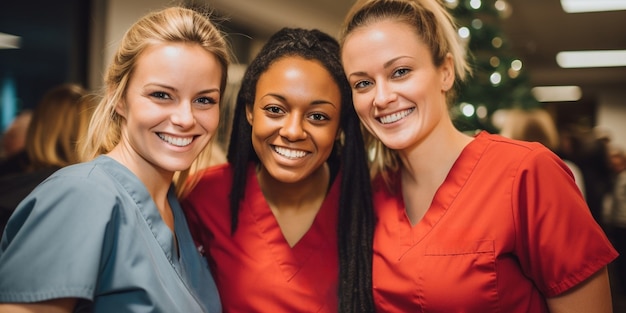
92 231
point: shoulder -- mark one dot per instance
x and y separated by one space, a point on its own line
91 186
215 179
219 174
497 142
501 150
93 175
80 194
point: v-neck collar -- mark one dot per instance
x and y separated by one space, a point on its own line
291 259
443 200
146 206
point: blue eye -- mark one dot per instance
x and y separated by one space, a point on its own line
362 84
400 72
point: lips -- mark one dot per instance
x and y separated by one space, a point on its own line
176 141
391 118
289 153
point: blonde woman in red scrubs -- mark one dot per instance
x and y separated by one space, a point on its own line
463 223
286 224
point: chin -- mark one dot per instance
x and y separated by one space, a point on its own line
174 166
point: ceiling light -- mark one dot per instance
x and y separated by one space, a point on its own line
578 6
557 93
9 41
599 58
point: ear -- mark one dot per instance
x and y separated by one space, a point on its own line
249 109
447 73
120 108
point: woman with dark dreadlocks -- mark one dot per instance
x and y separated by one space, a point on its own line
287 222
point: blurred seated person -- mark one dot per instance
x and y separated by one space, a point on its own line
59 120
13 142
537 125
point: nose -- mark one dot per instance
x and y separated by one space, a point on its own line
383 96
292 128
182 115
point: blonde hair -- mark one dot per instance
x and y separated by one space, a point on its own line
59 121
533 125
170 25
434 26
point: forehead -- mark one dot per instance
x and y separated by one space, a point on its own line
280 64
299 79
296 70
381 41
396 31
177 62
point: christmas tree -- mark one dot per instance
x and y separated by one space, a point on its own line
499 80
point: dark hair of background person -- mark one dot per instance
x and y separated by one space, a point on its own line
355 207
591 154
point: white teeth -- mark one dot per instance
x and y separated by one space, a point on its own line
395 116
289 153
181 142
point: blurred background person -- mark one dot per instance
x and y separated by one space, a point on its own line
538 125
13 142
589 150
617 216
59 120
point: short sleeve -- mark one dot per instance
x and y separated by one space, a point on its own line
53 244
559 244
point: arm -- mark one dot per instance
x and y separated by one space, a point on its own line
592 295
65 305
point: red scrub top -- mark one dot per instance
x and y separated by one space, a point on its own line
255 269
507 228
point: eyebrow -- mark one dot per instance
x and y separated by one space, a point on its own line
388 63
314 102
175 89
385 65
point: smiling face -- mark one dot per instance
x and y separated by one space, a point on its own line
294 118
398 93
170 107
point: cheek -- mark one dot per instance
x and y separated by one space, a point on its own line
257 145
362 106
260 133
210 120
326 138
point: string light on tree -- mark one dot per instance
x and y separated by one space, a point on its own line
498 80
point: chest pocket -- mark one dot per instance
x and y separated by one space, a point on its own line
452 248
459 276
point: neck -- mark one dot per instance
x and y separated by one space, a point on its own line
431 159
295 196
156 181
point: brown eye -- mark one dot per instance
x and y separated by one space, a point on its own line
274 110
160 95
207 100
318 117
